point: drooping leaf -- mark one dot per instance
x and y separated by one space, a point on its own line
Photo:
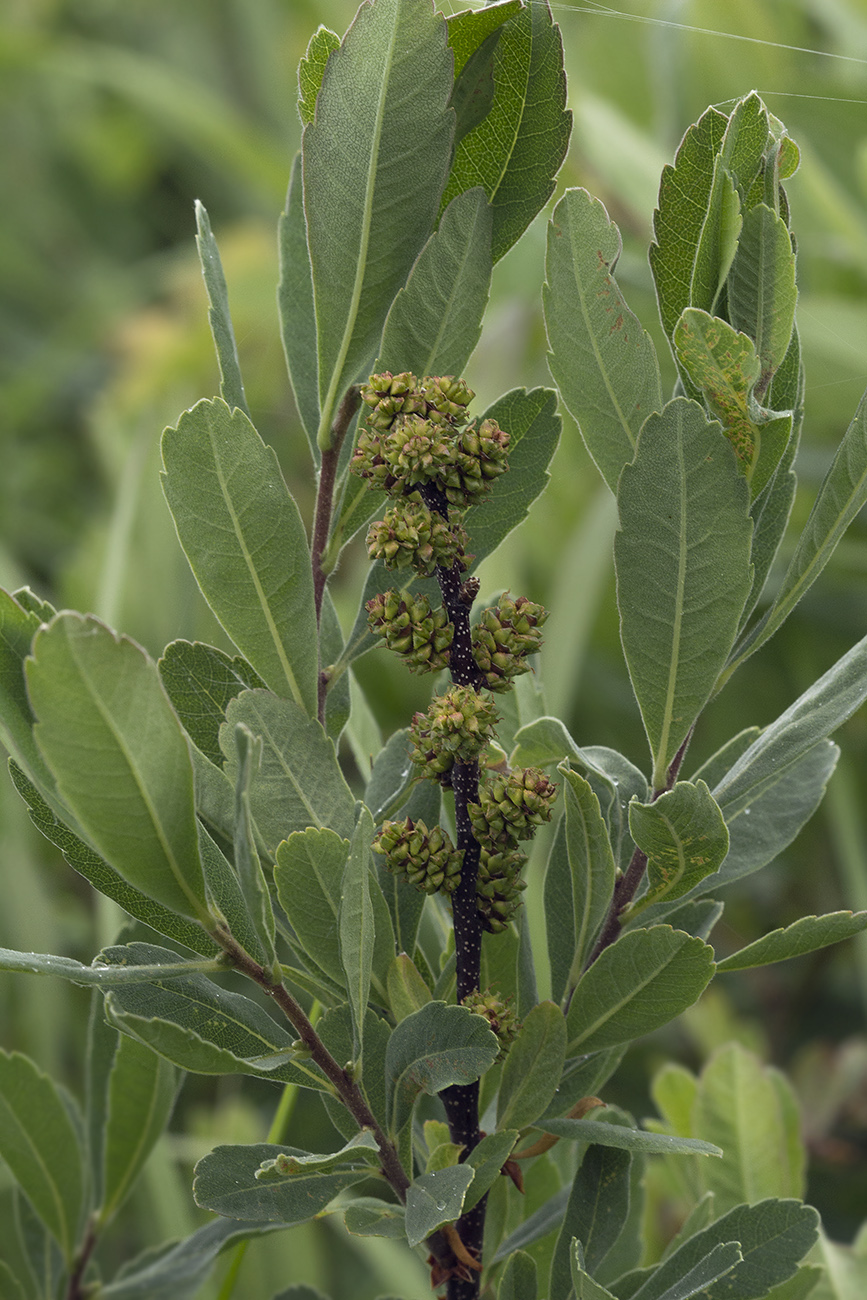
637 984
199 1026
601 359
200 680
762 293
225 1182
141 1093
682 558
435 321
122 763
231 383
532 1070
40 1145
300 783
432 1049
626 1139
596 1211
684 835
375 160
308 876
311 68
243 536
82 858
591 864
356 925
516 151
773 1237
295 307
805 935
434 1199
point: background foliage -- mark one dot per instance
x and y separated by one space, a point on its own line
115 118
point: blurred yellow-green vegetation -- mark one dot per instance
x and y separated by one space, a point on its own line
115 115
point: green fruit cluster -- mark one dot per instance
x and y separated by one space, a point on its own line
424 858
456 728
409 627
503 637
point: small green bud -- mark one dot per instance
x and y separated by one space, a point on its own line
389 395
499 1014
425 858
498 887
512 806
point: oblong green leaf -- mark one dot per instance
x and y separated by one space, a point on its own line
518 1280
531 1074
356 926
487 1160
311 69
225 1181
200 680
637 984
805 935
626 1139
366 1216
595 1213
591 864
141 1094
762 293
122 763
516 151
433 1048
308 876
376 158
40 1145
100 976
231 383
246 544
251 879
682 557
601 359
434 1199
295 307
684 835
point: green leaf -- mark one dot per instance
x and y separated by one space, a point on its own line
254 888
392 777
725 366
407 990
685 838
295 307
435 321
231 383
591 864
355 925
361 1148
368 1217
40 1145
559 913
177 1270
821 709
487 1159
718 240
434 1199
841 497
43 1261
601 359
335 1028
682 207
308 876
10 1287
225 1181
539 1224
516 151
682 557
199 1026
103 877
246 544
376 158
311 69
805 935
122 763
435 1047
637 984
616 782
300 783
200 680
17 630
773 1236
473 92
750 1111
468 30
585 1287
762 293
225 889
518 1280
626 1139
141 1094
717 1264
533 1067
596 1212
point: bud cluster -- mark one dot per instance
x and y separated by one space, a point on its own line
499 1014
425 858
410 627
511 807
499 886
456 728
504 635
411 536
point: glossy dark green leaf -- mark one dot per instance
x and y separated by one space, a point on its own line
231 383
682 557
516 151
40 1145
636 985
200 680
807 934
432 1049
434 1199
596 1211
532 1070
295 307
601 359
141 1093
225 1182
311 69
122 763
243 536
376 158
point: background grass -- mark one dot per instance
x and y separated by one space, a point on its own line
115 116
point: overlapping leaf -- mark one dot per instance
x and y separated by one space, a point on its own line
231 383
432 1049
225 1182
684 835
200 680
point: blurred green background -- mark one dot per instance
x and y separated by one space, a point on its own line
115 115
